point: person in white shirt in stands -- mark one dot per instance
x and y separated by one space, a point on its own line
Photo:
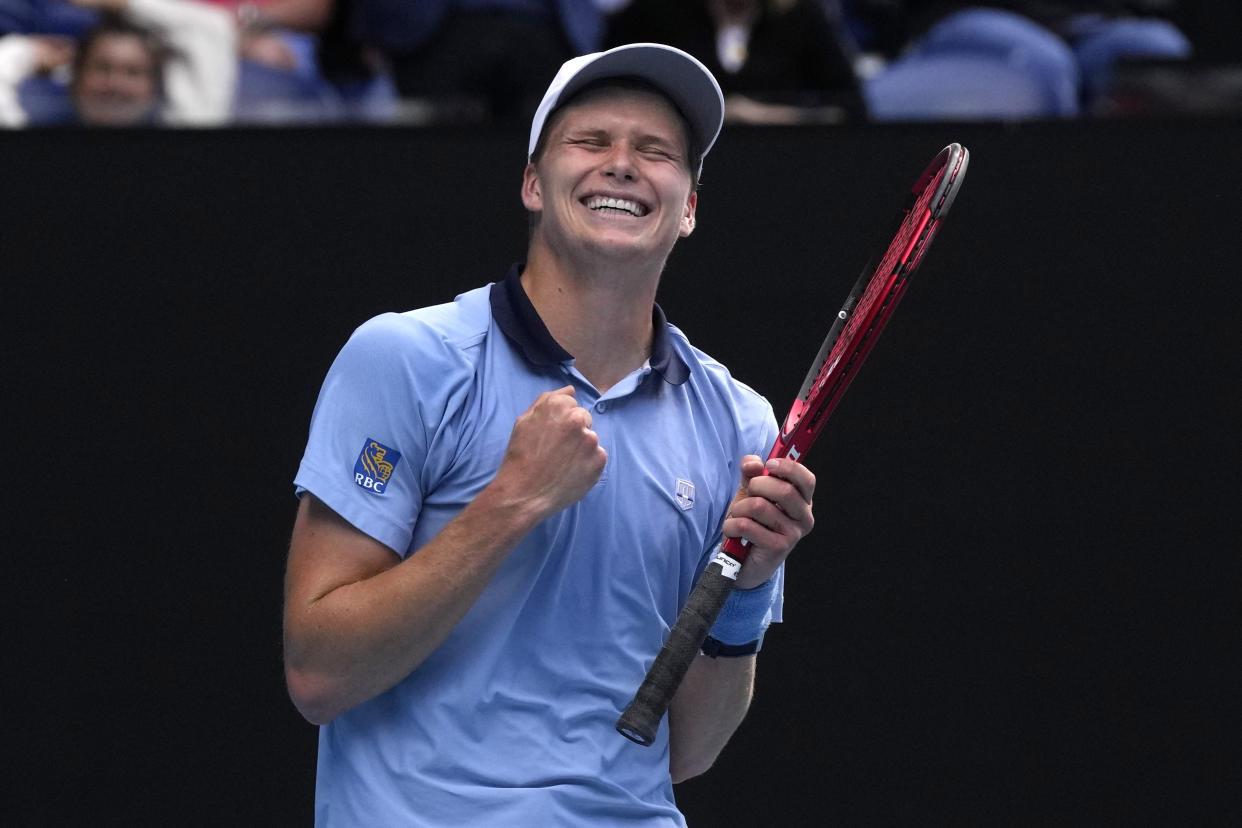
147 62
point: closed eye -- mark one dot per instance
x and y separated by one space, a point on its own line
659 151
591 140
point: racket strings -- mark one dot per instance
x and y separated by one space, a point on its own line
890 269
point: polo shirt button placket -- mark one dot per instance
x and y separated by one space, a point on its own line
597 408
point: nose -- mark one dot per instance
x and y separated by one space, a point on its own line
620 162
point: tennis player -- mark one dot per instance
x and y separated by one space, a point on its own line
506 499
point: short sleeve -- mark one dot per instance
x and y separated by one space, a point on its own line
369 447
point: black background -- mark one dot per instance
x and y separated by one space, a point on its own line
1020 606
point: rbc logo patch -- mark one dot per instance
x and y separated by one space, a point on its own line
374 466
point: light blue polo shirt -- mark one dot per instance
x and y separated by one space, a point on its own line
510 722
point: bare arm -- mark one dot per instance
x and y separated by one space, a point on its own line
358 619
22 56
17 62
773 512
299 15
710 704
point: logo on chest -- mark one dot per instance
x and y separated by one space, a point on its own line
684 494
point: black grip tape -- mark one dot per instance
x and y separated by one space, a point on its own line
641 720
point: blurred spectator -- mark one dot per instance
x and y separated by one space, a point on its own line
478 60
358 70
281 80
145 62
1096 34
778 61
278 33
283 49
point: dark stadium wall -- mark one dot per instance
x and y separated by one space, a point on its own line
1020 600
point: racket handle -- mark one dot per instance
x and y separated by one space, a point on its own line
641 719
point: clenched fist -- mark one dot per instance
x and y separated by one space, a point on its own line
553 457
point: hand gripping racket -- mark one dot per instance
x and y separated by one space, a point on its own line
854 332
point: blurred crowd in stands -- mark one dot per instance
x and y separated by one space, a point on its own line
215 62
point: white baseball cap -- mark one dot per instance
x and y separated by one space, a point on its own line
677 74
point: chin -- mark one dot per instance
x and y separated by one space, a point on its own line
634 244
115 115
624 248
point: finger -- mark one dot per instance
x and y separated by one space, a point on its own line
793 472
582 417
556 397
773 501
750 467
768 514
778 538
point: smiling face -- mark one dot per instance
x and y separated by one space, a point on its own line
613 179
115 83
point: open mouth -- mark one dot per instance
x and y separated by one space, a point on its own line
615 206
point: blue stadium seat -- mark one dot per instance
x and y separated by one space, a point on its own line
979 64
1101 43
957 87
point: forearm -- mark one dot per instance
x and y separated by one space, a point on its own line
716 691
359 639
709 706
299 15
201 73
358 620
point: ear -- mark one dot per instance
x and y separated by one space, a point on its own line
687 218
532 192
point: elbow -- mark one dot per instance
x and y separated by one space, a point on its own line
683 768
313 696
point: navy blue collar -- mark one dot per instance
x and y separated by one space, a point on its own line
520 322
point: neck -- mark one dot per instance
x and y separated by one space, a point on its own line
599 313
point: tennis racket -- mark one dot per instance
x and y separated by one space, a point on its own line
854 332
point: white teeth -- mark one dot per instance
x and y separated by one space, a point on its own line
602 203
